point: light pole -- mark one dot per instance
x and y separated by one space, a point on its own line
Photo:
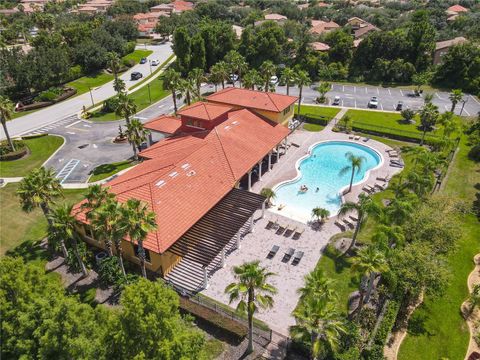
91 95
150 63
149 96
464 102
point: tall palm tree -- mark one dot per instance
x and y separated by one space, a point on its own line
171 81
126 107
253 290
113 61
428 98
269 194
368 262
288 77
66 225
302 80
6 111
323 88
267 70
450 124
251 78
39 189
187 89
428 117
455 97
317 285
393 235
399 210
119 85
419 182
96 196
237 64
136 134
198 77
219 72
364 207
355 165
320 214
319 323
138 222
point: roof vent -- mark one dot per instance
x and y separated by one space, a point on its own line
191 173
185 166
235 122
160 183
173 174
227 127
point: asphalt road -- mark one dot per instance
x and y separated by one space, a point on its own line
64 109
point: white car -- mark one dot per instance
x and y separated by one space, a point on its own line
373 103
336 100
155 62
273 80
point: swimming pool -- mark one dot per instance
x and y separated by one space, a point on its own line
320 172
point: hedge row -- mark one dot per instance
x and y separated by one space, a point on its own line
38 105
202 313
320 120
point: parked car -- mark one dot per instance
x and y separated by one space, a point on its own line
273 80
399 106
155 62
143 60
136 75
373 103
336 100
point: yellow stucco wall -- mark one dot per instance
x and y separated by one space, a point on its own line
159 263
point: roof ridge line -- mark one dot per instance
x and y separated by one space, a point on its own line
154 208
224 153
273 102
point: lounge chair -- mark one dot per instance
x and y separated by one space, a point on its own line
381 187
351 137
384 179
297 234
372 189
296 259
366 139
356 138
348 223
280 230
289 231
396 165
296 145
340 225
366 189
353 218
288 254
273 252
270 225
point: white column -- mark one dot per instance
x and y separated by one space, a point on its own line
222 258
205 278
237 236
269 161
263 209
278 153
285 151
251 224
260 171
250 180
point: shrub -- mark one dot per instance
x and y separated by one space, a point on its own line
128 62
72 261
20 150
129 47
74 72
474 153
109 271
49 95
110 105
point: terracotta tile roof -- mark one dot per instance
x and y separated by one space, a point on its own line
252 99
319 46
358 33
188 175
165 124
275 17
205 111
180 5
448 43
457 8
320 27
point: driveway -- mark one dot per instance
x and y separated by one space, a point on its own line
64 109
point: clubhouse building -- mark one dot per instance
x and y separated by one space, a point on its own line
197 181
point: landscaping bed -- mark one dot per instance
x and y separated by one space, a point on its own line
47 98
20 150
106 170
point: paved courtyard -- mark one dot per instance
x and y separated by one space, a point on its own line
256 245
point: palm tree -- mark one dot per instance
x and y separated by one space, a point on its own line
269 194
368 262
450 124
364 207
323 88
399 211
427 99
66 225
138 222
320 214
136 135
319 323
253 290
408 115
455 97
288 77
126 107
219 73
302 80
119 85
317 285
251 78
197 77
6 111
96 196
390 235
113 61
171 81
267 70
419 183
187 89
428 117
355 165
236 64
474 299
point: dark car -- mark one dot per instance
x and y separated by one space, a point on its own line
136 75
143 61
399 106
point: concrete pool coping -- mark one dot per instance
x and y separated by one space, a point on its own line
342 191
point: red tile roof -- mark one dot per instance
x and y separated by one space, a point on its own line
457 8
253 99
275 17
165 124
319 46
180 5
205 111
320 27
187 175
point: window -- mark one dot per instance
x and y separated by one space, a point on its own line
287 110
147 253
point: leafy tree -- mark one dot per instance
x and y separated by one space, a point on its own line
236 64
126 107
90 56
323 88
187 89
219 74
198 77
407 115
6 110
341 46
267 70
392 236
251 78
428 117
269 194
288 77
197 57
171 81
355 165
455 97
139 222
421 79
320 214
253 290
399 210
136 135
302 80
219 39
182 49
364 207
421 37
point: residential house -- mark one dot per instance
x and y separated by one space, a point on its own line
319 46
146 22
320 27
454 11
94 6
442 47
177 6
238 31
360 27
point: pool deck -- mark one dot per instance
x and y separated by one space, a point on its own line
256 245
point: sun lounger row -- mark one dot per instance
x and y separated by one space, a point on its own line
297 256
286 231
375 188
397 163
346 223
356 137
384 179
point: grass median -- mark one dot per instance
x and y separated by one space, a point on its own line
106 170
318 111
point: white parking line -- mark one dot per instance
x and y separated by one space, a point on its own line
70 132
76 122
378 92
355 103
389 92
65 172
160 106
354 89
381 106
438 96
401 92
466 112
366 91
474 99
343 88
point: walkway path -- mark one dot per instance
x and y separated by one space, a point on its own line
473 279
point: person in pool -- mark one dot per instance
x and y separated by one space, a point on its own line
317 189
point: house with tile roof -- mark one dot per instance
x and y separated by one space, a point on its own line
360 27
320 27
198 179
442 47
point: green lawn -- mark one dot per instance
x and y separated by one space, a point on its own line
213 348
313 127
141 99
154 73
440 331
17 227
104 171
137 55
317 111
90 81
41 148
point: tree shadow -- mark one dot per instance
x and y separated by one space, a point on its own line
30 250
103 169
341 262
416 324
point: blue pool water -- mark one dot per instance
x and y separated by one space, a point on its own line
321 170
